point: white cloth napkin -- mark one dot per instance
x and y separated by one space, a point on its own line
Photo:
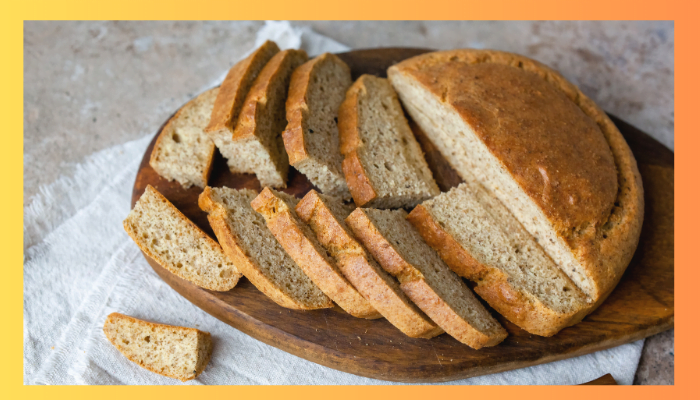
80 265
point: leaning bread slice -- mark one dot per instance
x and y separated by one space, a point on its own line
232 94
172 351
258 134
326 217
183 152
480 240
164 234
383 165
424 277
297 239
255 251
311 138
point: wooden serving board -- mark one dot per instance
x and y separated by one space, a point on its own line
640 306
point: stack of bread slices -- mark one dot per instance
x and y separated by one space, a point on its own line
544 224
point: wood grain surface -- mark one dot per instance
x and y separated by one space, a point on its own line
641 305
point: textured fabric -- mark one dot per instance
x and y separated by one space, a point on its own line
80 266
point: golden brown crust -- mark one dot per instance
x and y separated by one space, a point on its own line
230 244
358 181
204 337
607 196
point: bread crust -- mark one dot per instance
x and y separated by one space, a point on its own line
605 246
231 246
202 337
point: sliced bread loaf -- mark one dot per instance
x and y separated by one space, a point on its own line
232 94
258 134
255 251
383 165
424 277
481 240
183 152
172 351
311 139
326 217
164 234
300 243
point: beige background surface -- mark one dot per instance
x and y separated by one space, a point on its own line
92 85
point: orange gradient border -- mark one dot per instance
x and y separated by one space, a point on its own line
684 13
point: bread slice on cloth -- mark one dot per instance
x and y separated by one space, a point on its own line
311 139
258 134
183 152
326 215
172 351
300 243
424 277
248 242
384 164
229 101
168 237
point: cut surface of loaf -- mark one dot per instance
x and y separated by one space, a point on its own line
248 242
172 351
424 277
326 215
480 240
164 234
232 94
258 134
383 165
539 145
183 152
311 139
300 243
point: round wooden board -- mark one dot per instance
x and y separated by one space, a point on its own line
640 306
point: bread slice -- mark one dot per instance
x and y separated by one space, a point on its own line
326 217
183 152
424 277
481 240
255 251
539 145
172 351
229 101
258 134
383 164
311 138
178 245
300 243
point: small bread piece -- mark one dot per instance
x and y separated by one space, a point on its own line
232 94
384 165
177 244
183 152
255 251
311 138
424 277
482 241
258 134
326 217
172 351
300 243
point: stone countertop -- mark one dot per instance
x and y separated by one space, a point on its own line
92 85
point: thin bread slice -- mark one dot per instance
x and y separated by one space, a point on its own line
383 165
311 139
172 351
424 277
232 94
258 134
300 243
164 234
183 152
326 217
255 251
482 241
